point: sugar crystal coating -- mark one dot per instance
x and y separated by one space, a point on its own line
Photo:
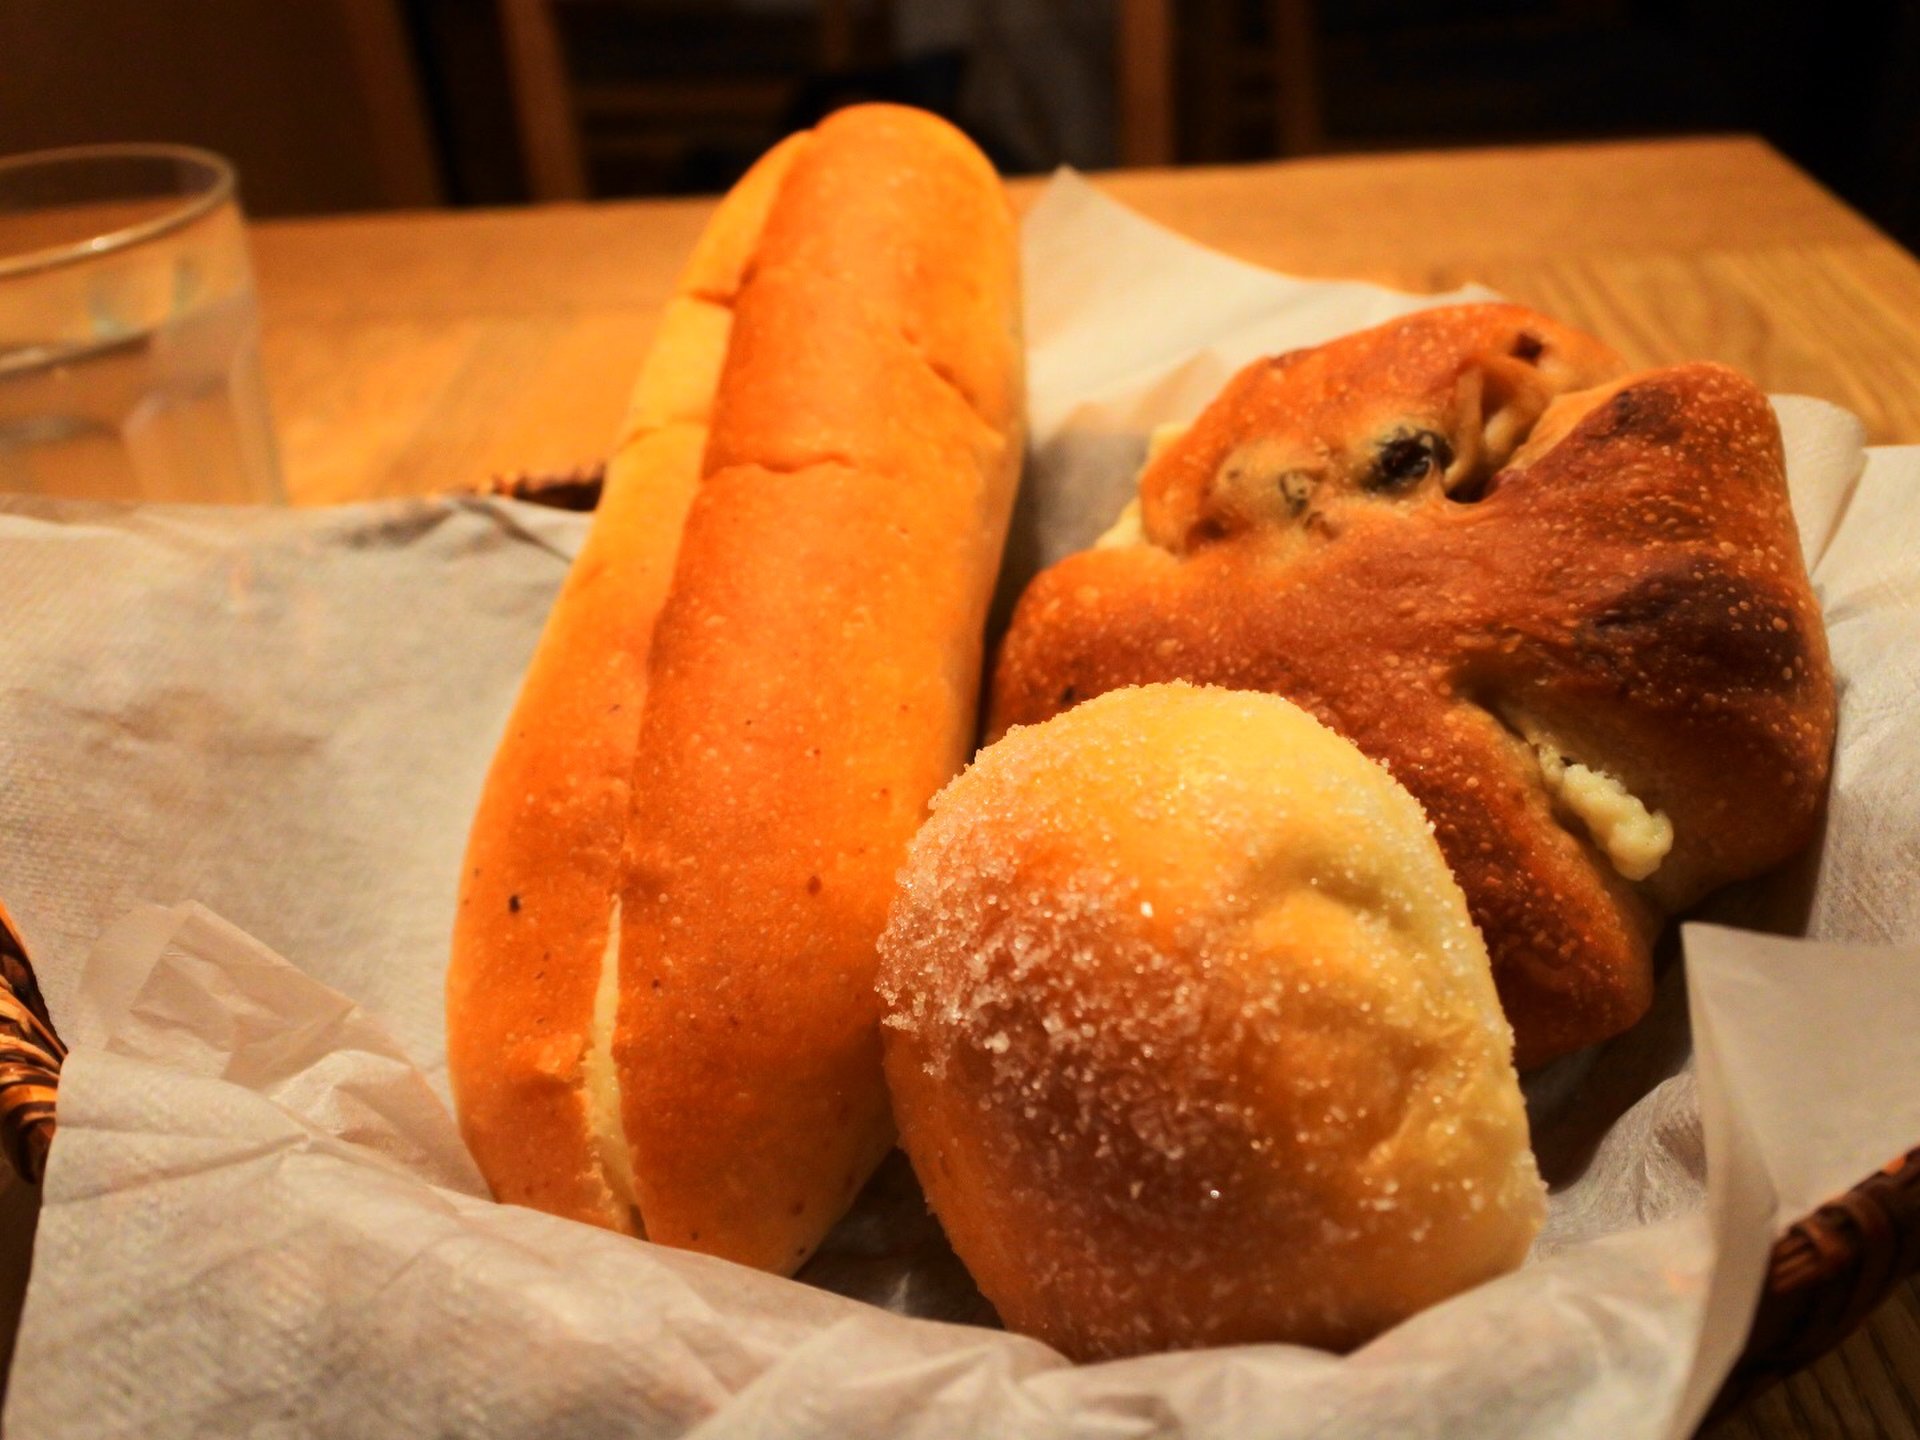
1191 1039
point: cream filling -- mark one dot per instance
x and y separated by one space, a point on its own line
1633 837
1127 528
602 1079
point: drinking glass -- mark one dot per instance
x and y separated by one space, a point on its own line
129 337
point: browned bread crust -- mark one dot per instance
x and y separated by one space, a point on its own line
1367 529
810 680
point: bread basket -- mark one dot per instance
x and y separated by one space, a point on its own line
1827 1273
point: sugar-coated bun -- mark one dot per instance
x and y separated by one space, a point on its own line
1191 1040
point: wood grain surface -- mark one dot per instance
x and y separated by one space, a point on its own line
410 353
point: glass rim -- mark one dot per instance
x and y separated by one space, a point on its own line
189 209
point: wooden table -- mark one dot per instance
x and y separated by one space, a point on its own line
416 352
412 352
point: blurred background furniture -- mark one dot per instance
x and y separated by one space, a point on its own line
663 94
320 103
1201 57
333 105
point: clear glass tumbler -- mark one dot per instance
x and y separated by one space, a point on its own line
129 335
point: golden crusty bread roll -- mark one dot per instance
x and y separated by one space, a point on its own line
1191 1039
660 1009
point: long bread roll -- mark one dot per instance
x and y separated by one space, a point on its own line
661 1010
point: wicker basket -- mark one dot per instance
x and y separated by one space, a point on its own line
1827 1273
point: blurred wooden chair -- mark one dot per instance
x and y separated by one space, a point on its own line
1148 62
557 110
1212 80
322 111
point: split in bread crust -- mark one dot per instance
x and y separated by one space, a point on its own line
542 876
1564 605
